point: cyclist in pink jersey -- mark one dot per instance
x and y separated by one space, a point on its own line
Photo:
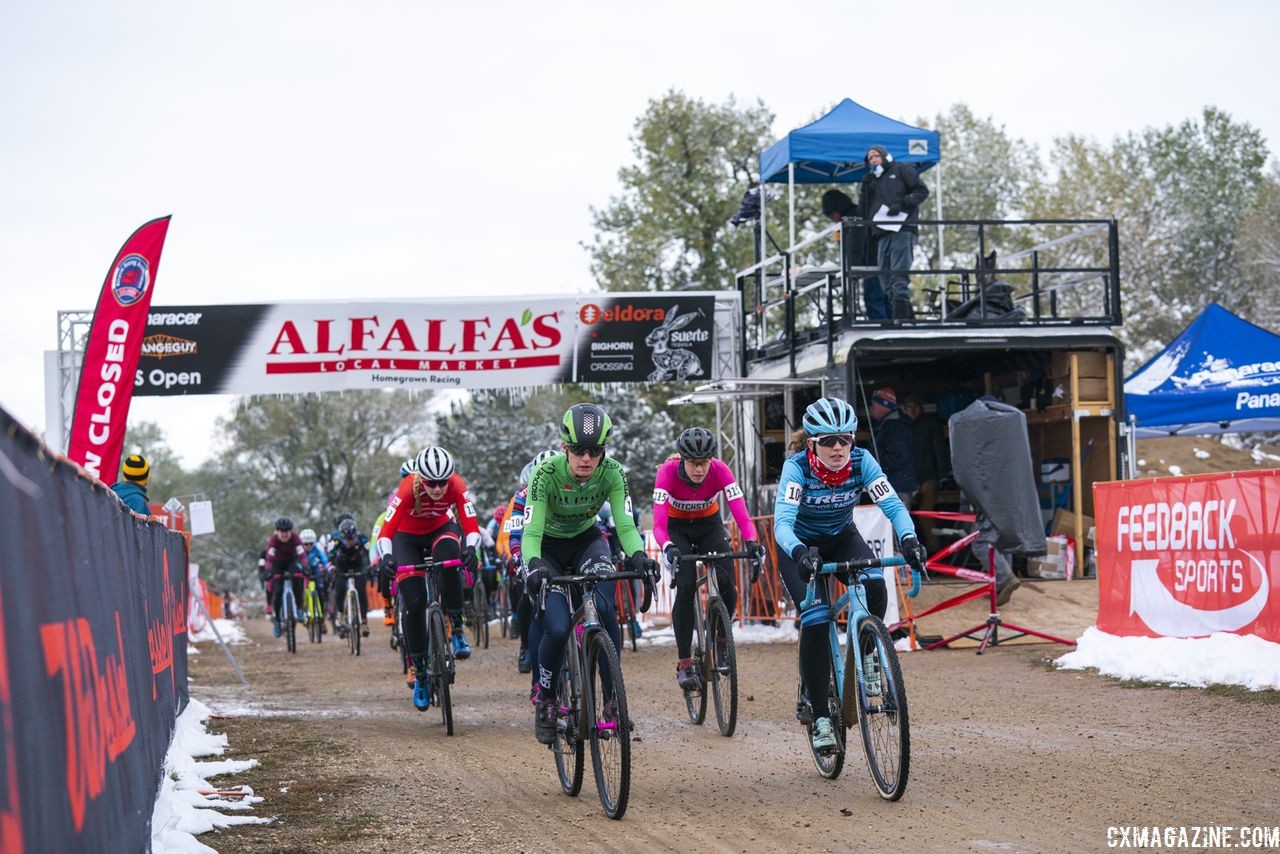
686 518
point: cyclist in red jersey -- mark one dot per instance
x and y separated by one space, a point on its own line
418 524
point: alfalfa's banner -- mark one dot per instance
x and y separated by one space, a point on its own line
112 351
494 342
1189 556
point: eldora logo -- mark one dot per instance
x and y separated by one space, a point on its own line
130 280
590 314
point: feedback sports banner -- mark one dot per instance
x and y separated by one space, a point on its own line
93 656
454 343
111 353
1189 556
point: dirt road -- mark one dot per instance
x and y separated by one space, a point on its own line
1007 753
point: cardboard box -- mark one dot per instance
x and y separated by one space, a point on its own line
1089 363
1058 562
1064 523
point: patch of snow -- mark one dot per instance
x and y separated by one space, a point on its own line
1200 455
181 812
230 629
1176 471
1220 659
1142 462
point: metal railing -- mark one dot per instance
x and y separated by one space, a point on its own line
996 273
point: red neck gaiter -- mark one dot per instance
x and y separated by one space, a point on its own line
826 475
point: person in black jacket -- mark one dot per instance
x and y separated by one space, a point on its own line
859 249
891 189
892 435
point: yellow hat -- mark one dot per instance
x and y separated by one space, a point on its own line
136 469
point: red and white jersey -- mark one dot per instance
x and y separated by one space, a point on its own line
412 513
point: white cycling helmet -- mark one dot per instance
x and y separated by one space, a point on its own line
409 466
435 463
307 536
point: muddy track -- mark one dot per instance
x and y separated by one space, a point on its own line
1006 753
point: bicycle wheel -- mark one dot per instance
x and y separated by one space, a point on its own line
353 621
291 633
608 725
633 615
568 746
722 663
504 606
886 730
480 614
695 699
438 659
829 764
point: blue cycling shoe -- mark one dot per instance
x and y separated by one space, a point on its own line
461 649
275 628
636 631
421 696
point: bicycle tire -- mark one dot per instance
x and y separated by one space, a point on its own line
885 723
568 746
724 672
439 667
695 700
829 765
610 745
504 606
353 621
634 615
290 622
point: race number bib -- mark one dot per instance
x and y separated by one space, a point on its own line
626 506
660 496
732 491
469 509
793 493
879 489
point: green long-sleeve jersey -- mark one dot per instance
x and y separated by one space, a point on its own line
558 506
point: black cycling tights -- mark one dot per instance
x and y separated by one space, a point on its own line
698 536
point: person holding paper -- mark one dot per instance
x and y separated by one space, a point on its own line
891 196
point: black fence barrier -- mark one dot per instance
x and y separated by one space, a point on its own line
93 656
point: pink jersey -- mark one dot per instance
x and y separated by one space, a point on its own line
675 497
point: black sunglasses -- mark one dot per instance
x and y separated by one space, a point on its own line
834 439
437 484
587 450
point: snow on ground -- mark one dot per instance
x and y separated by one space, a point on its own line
785 632
1200 453
230 630
181 811
1220 659
1176 471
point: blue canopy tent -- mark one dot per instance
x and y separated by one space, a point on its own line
1221 375
832 149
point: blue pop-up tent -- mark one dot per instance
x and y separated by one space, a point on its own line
1221 375
832 149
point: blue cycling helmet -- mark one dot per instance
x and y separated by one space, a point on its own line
829 415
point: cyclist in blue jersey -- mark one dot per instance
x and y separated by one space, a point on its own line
813 524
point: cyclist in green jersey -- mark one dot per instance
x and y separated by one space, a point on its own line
561 538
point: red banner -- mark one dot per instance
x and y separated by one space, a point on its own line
111 354
1189 556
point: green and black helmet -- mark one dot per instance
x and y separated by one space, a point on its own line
586 424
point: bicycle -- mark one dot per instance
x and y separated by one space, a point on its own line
440 663
715 658
289 604
313 612
478 612
352 619
590 670
628 620
882 718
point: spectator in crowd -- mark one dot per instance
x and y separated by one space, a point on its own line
891 190
859 251
932 462
891 435
133 489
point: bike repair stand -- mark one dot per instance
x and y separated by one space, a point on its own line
235 665
987 581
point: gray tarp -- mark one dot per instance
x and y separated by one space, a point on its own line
991 458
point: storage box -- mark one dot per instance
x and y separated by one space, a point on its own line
1058 562
1064 523
1089 363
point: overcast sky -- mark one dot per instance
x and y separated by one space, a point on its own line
325 150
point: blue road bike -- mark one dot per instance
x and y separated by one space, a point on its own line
871 660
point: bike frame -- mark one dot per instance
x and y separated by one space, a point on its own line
708 579
854 599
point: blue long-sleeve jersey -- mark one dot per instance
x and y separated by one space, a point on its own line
807 509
